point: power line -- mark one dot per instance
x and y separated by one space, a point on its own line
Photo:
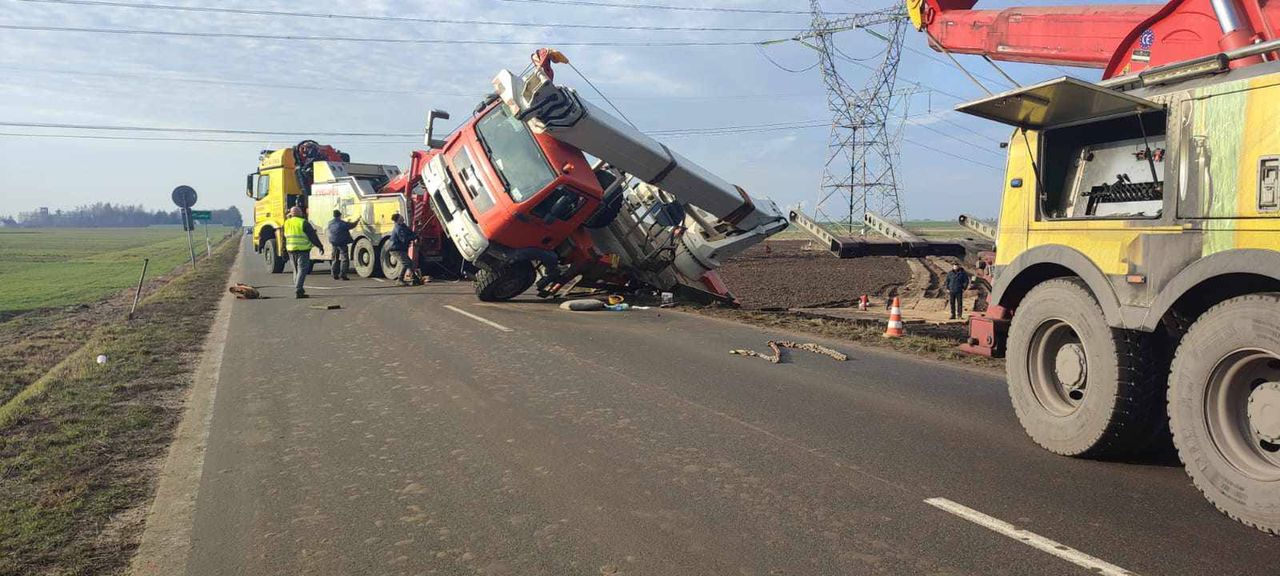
217 82
952 65
199 130
172 139
770 125
957 139
970 130
760 49
956 156
332 88
667 7
189 130
450 41
331 16
674 133
723 131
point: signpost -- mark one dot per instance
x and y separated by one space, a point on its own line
185 197
204 216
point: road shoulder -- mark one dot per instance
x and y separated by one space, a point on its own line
166 539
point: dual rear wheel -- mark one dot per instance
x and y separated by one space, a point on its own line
1082 388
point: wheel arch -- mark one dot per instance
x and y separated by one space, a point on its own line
1213 279
265 232
1042 263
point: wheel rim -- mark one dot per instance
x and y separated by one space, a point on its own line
1242 412
1057 367
362 257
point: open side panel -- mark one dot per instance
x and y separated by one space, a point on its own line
1057 103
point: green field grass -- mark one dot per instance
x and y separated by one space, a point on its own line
44 268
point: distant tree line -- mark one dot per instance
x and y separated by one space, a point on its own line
108 215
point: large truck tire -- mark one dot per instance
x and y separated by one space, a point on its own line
1224 408
271 255
364 258
1079 387
392 266
504 282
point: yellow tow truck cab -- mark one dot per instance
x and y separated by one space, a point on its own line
282 181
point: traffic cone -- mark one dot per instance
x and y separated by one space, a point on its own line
894 329
864 303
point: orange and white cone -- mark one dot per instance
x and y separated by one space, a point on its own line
894 329
863 302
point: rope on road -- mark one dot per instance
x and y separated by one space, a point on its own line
777 345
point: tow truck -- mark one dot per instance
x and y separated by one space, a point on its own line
321 179
1136 280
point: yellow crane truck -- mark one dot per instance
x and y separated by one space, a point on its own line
1136 280
322 179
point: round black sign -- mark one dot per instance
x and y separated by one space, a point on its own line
184 196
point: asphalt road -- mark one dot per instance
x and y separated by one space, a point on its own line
399 436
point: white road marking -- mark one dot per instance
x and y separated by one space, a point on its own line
1030 538
479 319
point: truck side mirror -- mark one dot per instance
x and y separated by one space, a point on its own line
564 208
248 184
428 139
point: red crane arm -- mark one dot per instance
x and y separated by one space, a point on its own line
1121 38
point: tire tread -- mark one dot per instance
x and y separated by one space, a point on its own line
1138 420
1273 299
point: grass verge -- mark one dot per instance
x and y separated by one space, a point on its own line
54 267
78 456
938 348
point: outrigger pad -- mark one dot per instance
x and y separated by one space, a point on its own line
583 305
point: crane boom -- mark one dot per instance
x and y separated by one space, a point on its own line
561 113
1120 38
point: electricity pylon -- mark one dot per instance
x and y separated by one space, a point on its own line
860 173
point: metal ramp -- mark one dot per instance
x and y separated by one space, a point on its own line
897 240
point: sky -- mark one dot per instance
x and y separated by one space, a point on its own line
262 81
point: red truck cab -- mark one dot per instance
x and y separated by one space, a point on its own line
509 196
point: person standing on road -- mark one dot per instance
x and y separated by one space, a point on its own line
401 238
340 241
956 283
299 237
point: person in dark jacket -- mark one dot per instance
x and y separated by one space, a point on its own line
956 283
398 244
340 242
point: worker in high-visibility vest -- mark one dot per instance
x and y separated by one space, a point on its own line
299 237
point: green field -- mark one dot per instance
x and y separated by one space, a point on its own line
44 268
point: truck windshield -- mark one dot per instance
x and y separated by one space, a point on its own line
514 154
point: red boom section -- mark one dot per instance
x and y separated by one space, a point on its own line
1068 35
1122 38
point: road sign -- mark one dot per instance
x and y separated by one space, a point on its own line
205 215
184 196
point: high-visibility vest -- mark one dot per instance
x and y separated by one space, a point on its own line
295 235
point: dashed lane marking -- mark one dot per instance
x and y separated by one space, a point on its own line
479 319
1030 538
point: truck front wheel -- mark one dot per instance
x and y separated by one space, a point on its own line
1224 408
392 266
1079 387
271 255
504 282
365 258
